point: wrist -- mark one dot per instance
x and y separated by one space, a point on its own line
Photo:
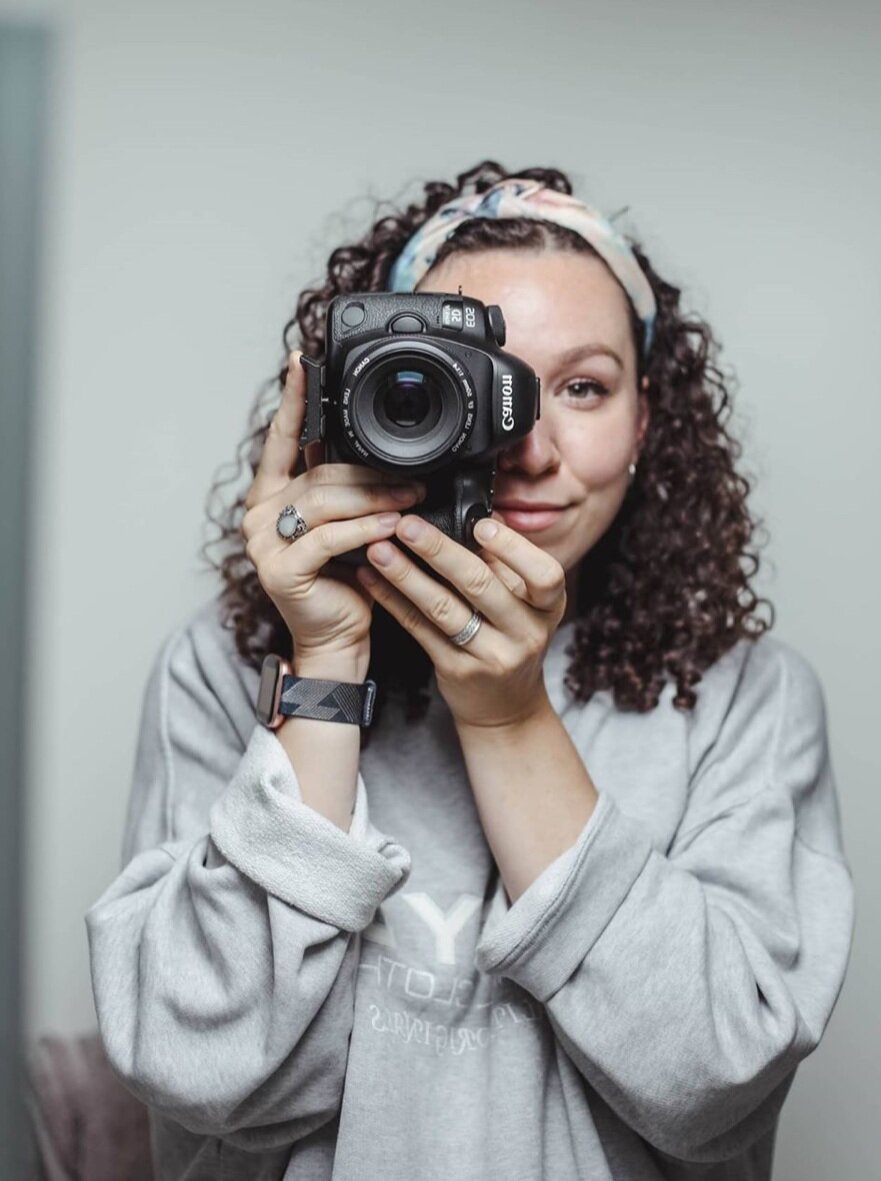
509 727
349 665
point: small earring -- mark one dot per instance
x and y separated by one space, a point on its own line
632 470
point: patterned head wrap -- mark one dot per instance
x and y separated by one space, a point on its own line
515 197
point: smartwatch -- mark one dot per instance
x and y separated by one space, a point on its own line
283 695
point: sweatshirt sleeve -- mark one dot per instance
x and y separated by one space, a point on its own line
223 955
687 987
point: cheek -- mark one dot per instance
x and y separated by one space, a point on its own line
597 447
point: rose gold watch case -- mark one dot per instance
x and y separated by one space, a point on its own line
275 669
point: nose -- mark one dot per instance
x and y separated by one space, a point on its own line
534 454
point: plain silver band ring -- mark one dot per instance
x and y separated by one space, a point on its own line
469 631
289 524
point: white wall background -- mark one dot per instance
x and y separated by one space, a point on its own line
206 157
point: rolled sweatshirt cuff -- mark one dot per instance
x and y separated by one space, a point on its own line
262 826
540 939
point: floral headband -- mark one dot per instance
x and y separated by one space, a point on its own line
515 197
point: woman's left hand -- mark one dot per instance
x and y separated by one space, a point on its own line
496 679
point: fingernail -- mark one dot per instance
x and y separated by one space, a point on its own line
485 529
383 553
412 527
403 494
388 520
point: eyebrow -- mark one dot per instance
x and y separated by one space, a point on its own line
581 351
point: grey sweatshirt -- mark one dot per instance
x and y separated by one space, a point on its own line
296 1001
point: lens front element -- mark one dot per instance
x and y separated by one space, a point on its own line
404 398
409 407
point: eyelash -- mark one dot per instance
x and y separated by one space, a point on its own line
597 386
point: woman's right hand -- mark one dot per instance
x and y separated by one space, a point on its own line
345 506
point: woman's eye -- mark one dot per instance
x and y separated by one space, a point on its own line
582 388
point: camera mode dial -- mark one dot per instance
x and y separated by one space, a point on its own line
496 322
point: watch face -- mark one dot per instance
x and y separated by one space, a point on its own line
270 690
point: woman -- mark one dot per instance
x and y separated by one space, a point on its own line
581 905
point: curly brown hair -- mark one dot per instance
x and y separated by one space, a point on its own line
663 593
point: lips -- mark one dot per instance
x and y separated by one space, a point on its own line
526 506
533 517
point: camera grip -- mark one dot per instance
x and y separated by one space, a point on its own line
455 515
313 420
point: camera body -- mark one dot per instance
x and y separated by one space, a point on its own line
419 385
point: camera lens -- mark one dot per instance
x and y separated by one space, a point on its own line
406 396
409 398
408 404
407 408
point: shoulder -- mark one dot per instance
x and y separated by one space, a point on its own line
760 736
760 692
198 665
196 720
202 635
754 671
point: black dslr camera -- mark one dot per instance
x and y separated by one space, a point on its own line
418 385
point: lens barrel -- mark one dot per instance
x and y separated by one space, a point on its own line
408 407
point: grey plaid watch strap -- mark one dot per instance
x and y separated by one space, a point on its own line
329 701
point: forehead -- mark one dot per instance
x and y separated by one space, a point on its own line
552 300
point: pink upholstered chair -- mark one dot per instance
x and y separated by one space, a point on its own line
85 1124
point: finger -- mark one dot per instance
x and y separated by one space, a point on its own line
356 473
307 554
354 489
257 517
512 581
281 447
304 556
466 572
317 502
432 640
543 576
321 473
502 570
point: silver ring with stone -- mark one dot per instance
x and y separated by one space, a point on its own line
469 631
289 524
